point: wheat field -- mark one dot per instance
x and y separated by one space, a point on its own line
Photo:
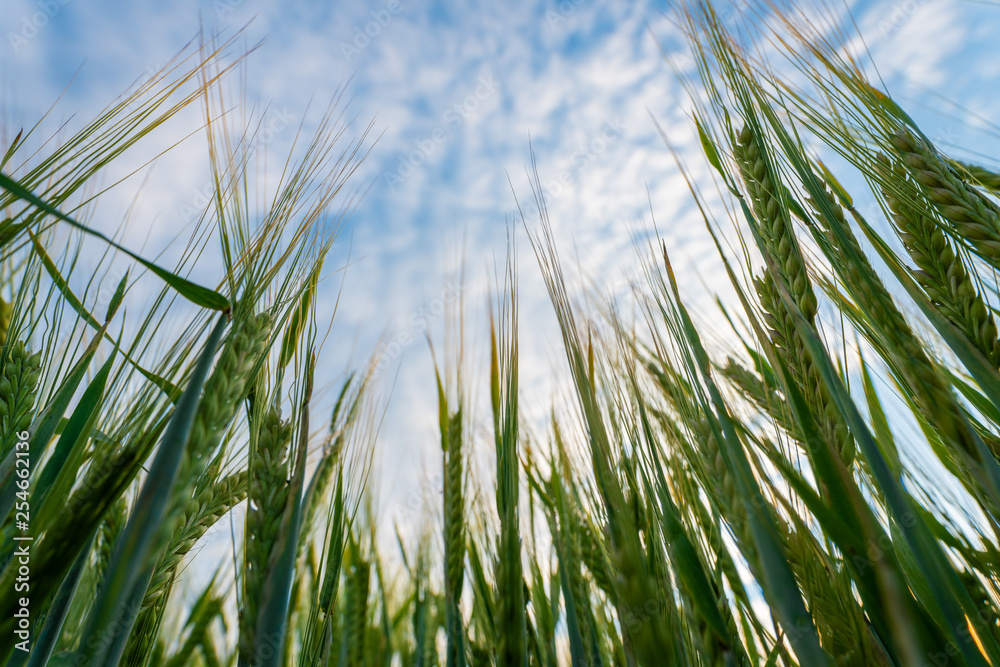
818 485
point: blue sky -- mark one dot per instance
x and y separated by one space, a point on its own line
456 89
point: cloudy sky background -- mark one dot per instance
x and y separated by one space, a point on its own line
455 90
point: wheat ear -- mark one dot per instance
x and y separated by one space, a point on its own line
975 218
18 387
942 273
775 224
267 496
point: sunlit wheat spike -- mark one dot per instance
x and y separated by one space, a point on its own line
357 612
775 223
786 338
982 176
776 230
454 530
200 514
567 531
911 356
18 387
827 592
942 273
228 385
764 395
267 495
974 218
225 390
